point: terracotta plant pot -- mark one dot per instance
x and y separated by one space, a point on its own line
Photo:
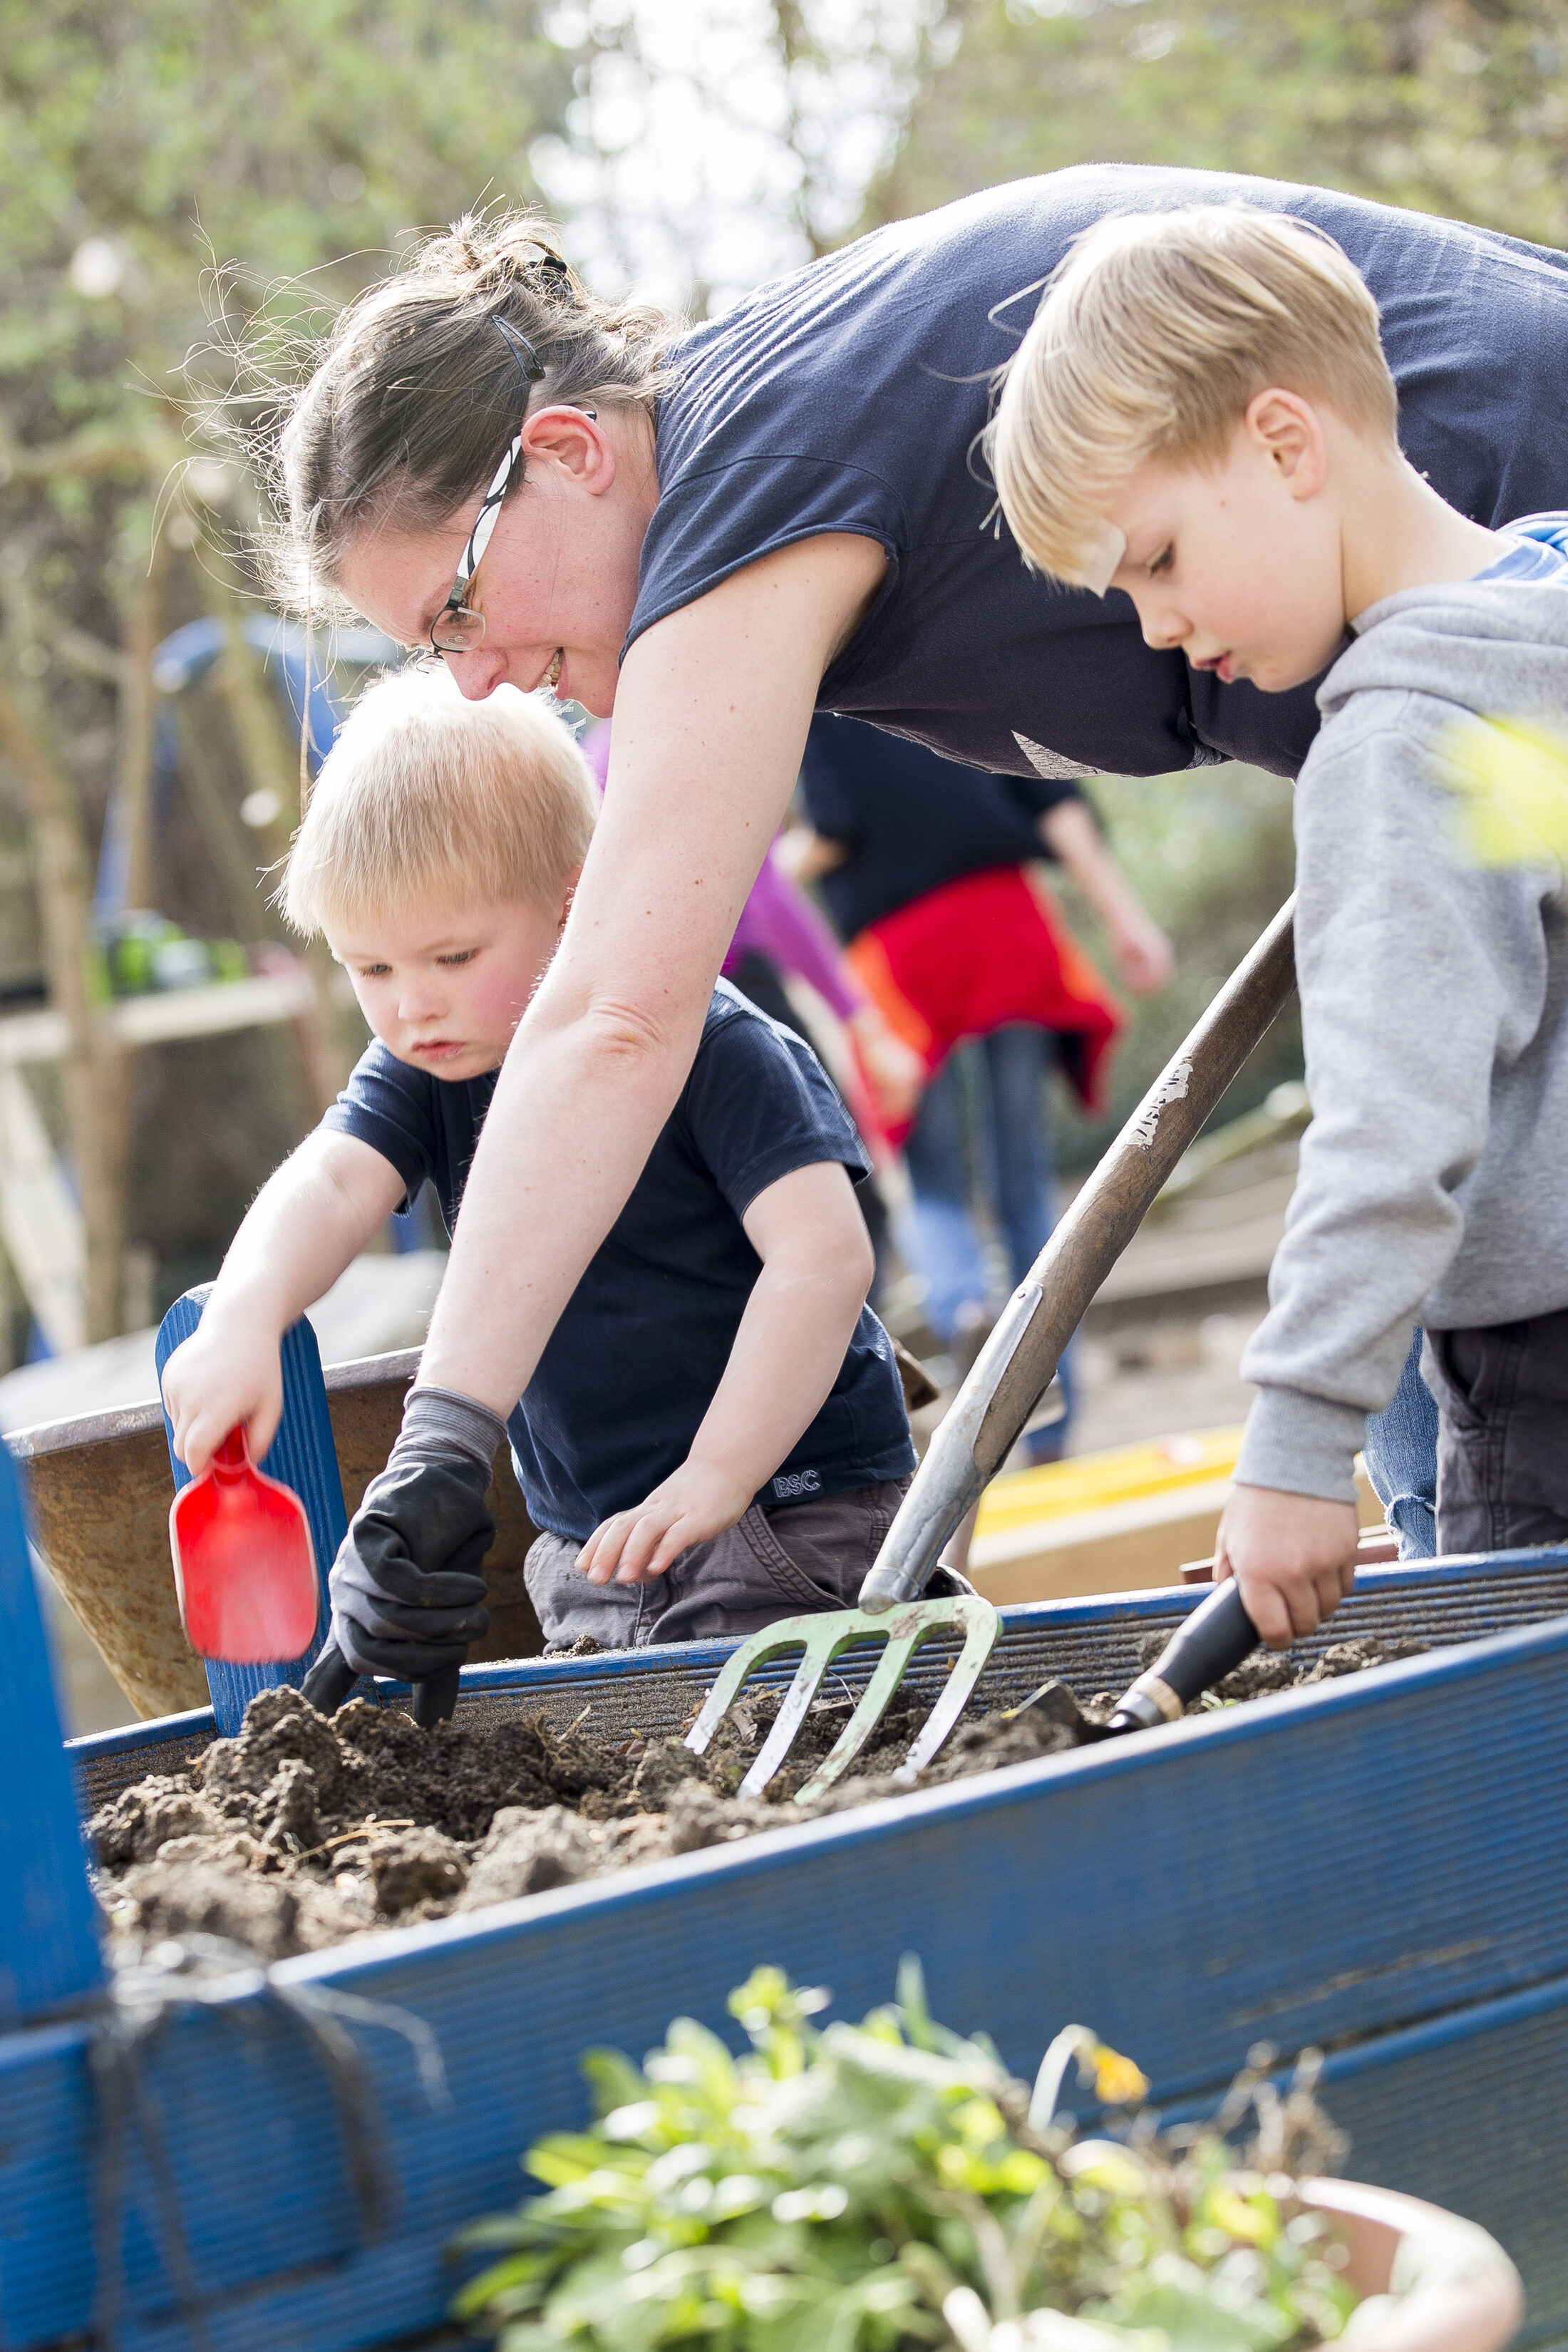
1436 2284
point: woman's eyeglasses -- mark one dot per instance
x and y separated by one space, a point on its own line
457 627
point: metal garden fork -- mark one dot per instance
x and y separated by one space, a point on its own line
996 1402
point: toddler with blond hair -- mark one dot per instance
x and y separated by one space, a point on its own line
1201 416
715 1436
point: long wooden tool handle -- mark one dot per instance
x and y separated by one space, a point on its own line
1016 1364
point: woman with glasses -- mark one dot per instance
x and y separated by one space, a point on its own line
717 532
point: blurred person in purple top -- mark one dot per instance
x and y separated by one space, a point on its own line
780 931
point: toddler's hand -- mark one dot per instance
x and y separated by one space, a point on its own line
1293 1556
695 1502
228 1370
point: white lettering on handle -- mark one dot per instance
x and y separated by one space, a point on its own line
1172 1089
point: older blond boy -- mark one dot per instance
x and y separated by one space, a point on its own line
716 1436
1201 415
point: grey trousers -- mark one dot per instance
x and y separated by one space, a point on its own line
779 1561
1502 1433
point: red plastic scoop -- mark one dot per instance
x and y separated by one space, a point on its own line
244 1566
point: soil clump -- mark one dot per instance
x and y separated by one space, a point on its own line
305 1831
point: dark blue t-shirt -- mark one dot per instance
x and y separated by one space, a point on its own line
631 1366
847 397
911 821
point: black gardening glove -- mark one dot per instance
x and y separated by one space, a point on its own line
407 1593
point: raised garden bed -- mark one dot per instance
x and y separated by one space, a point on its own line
300 1834
1369 1864
1372 1863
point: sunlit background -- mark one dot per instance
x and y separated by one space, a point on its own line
171 181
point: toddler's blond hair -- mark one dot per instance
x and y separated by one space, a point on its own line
1155 333
427 800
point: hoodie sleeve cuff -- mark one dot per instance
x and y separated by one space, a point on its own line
1301 1444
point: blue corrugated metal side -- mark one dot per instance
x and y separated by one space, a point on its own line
1337 1866
49 1942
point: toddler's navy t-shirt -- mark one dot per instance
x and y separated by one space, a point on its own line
631 1366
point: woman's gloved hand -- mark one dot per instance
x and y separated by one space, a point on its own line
407 1593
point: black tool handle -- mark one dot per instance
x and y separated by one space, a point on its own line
329 1680
1212 1643
435 1699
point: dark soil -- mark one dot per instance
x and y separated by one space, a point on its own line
304 1832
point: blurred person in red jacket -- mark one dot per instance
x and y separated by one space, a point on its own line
932 873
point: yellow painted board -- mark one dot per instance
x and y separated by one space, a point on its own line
1091 1482
1119 1521
1102 1552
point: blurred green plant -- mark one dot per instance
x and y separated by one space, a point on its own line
168 172
1509 778
873 2188
1460 107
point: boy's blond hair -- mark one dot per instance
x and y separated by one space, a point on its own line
427 800
1156 333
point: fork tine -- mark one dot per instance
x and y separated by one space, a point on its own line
818 1656
754 1652
978 1640
821 1639
888 1673
906 1629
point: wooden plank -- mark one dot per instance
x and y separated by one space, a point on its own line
41 1223
1123 1547
211 1010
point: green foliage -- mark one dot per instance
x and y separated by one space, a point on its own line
872 2189
137 147
279 134
1457 108
140 147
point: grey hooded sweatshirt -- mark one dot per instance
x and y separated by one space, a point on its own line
1434 1177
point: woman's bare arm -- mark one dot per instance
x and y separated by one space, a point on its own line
711 721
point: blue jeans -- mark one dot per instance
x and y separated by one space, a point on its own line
982 1125
1401 1454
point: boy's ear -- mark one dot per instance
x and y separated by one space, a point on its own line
1287 432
